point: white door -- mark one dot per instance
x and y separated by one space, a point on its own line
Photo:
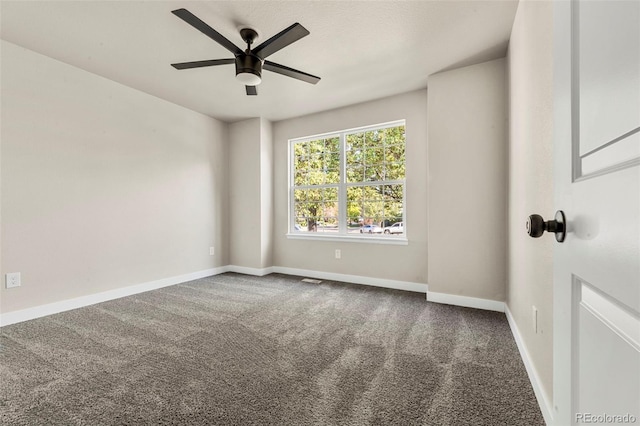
597 178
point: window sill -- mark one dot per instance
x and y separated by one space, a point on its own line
371 239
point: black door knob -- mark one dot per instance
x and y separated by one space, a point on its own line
536 226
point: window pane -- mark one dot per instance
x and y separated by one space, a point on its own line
393 206
332 144
328 219
380 205
372 138
299 149
394 153
330 194
374 173
355 174
374 155
332 160
332 176
354 213
373 193
300 210
314 162
316 147
316 210
393 212
307 215
301 224
300 162
300 178
354 193
395 171
373 212
313 195
299 195
394 135
317 162
354 158
393 192
318 217
355 141
316 177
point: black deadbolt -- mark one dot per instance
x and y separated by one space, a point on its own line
536 226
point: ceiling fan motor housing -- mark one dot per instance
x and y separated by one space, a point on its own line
249 64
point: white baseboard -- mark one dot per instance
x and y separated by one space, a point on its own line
466 301
354 279
92 299
65 305
259 272
541 396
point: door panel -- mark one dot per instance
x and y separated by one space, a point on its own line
597 184
608 334
608 50
605 234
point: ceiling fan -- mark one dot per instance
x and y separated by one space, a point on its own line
251 62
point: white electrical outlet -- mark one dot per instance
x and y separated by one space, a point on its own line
212 251
534 312
12 280
338 254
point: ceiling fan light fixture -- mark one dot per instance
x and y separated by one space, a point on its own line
248 78
249 70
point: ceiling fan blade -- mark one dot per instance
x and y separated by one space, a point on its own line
195 22
284 38
251 90
290 72
199 64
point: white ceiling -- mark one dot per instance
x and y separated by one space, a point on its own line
362 50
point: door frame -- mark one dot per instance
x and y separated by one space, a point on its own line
563 319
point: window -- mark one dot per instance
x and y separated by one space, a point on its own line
349 183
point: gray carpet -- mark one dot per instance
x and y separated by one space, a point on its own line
234 349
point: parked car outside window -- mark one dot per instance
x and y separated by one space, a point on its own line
371 229
396 228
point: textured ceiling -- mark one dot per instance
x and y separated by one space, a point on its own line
362 50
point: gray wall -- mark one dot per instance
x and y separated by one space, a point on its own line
401 263
103 186
266 193
468 181
250 193
530 60
245 217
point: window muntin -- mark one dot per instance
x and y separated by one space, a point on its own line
342 181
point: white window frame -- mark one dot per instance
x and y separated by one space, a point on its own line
342 186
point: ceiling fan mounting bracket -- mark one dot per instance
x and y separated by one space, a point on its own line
249 35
